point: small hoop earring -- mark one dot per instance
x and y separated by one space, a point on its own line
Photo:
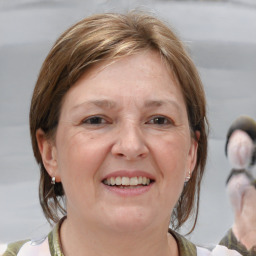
188 177
53 181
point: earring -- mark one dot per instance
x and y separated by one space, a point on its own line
53 181
188 177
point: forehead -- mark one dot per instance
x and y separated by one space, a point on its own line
147 62
143 76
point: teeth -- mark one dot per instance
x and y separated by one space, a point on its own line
126 181
112 181
118 181
134 181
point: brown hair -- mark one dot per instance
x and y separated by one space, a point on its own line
107 37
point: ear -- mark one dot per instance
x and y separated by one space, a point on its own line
193 151
48 153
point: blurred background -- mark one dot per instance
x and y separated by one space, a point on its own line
221 38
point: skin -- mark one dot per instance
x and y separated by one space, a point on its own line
141 124
244 228
240 149
242 194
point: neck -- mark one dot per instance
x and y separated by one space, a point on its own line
245 237
78 240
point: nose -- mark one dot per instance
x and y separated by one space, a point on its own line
130 143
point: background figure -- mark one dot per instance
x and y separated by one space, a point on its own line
240 151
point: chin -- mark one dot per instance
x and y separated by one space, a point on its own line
130 219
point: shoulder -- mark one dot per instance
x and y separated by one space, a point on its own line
187 248
229 239
13 248
29 248
230 242
47 246
224 251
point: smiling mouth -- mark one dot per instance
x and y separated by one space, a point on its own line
126 182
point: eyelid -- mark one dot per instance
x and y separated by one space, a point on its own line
169 120
105 119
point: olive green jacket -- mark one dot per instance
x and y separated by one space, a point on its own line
50 246
186 248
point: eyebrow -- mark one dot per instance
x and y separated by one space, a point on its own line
109 104
99 103
159 103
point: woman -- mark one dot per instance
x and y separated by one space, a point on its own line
118 126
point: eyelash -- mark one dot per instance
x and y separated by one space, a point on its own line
97 120
90 120
164 121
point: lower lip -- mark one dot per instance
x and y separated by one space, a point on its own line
129 191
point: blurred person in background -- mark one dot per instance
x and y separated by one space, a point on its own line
241 187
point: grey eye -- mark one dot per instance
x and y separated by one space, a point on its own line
95 120
160 120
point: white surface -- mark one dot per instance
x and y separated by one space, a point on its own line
222 39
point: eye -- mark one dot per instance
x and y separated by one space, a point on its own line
160 120
95 120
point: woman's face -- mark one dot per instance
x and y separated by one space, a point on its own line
123 146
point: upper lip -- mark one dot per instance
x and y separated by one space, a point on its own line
129 174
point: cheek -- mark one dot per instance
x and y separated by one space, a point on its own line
79 159
171 156
173 153
79 155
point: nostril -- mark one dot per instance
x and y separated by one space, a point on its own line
142 155
120 155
